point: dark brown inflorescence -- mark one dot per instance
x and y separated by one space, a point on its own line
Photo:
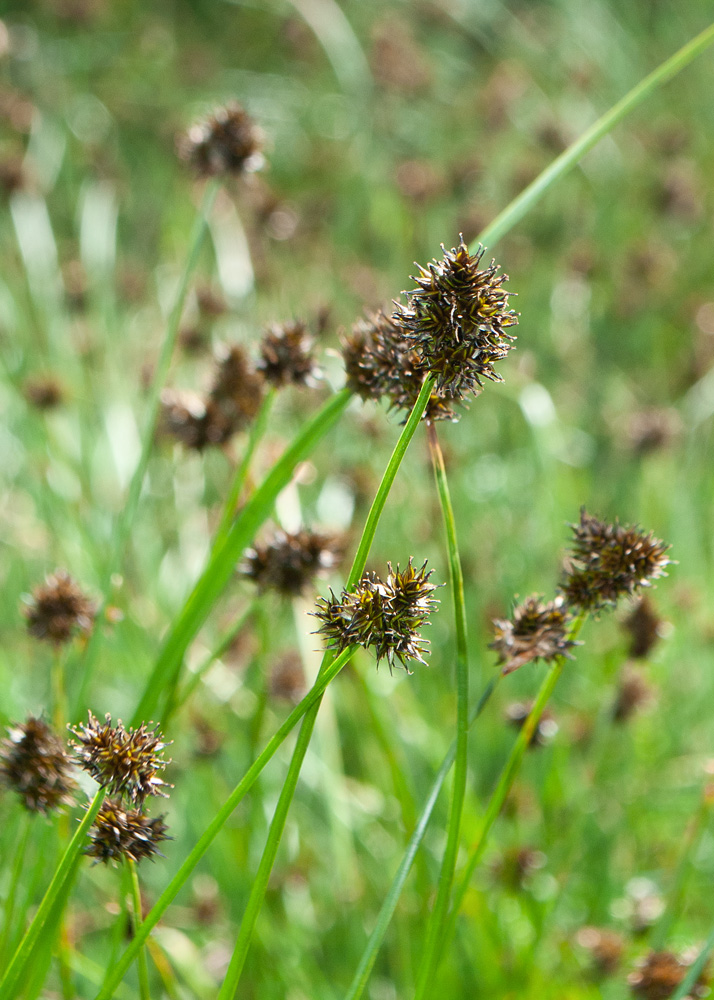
644 627
227 142
289 562
118 833
382 616
659 975
634 692
536 631
380 363
608 561
33 762
456 321
125 762
58 609
44 392
286 355
606 948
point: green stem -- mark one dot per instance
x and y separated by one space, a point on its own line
221 562
57 893
142 964
22 836
115 973
448 865
177 699
369 955
260 883
505 783
521 205
256 434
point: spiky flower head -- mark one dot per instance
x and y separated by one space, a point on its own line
118 833
536 631
382 616
289 562
34 763
58 608
608 561
456 321
227 142
124 761
381 363
659 975
286 355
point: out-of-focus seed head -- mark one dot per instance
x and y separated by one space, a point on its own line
382 616
456 321
124 761
516 865
380 363
546 729
58 609
606 949
289 562
237 389
34 763
287 678
286 356
192 421
44 392
536 631
119 834
659 975
634 692
608 561
228 142
644 627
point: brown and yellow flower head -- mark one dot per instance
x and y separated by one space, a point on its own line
34 763
380 363
456 321
58 609
286 355
289 562
659 975
382 616
124 761
608 561
536 631
118 834
227 142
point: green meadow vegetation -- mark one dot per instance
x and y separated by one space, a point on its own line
358 617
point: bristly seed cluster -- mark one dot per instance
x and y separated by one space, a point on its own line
453 326
286 355
289 562
606 562
58 609
537 631
119 833
124 761
228 142
382 616
34 763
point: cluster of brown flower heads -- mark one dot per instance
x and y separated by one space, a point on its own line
288 562
127 763
606 562
452 327
58 609
384 616
238 386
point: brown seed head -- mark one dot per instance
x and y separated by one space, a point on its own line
227 142
118 834
456 321
44 392
289 562
382 616
606 948
536 631
58 609
286 355
237 389
125 762
34 763
659 975
608 561
634 692
644 626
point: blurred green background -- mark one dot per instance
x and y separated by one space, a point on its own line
391 128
